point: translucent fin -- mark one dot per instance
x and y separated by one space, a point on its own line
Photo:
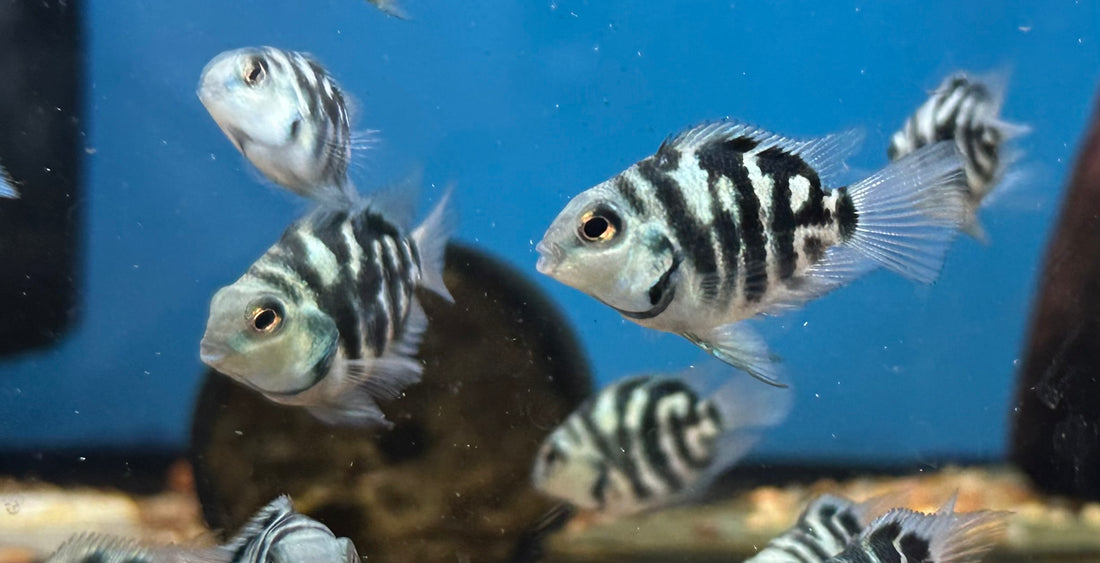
390 8
910 211
745 404
840 266
7 185
397 201
943 537
356 408
89 546
825 155
431 241
740 346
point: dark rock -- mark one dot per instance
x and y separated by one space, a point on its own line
41 94
452 479
1056 428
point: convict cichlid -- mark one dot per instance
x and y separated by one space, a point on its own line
966 109
287 116
726 222
328 318
647 441
275 534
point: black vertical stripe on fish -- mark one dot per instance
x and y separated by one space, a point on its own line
847 216
307 91
781 166
679 429
624 436
881 543
740 144
394 283
693 236
729 240
914 547
717 158
827 513
338 300
752 233
342 301
367 227
667 158
652 430
629 192
849 522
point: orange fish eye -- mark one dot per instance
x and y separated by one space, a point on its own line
596 227
265 320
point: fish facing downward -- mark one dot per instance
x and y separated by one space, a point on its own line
275 534
647 441
286 115
944 537
966 110
327 318
726 222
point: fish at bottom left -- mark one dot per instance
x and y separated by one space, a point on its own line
275 534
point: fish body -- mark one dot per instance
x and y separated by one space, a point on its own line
286 115
7 186
944 537
648 441
966 110
826 526
276 534
726 222
327 318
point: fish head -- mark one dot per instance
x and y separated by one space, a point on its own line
599 245
565 469
254 97
263 338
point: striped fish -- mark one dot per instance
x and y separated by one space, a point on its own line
647 441
286 115
966 110
327 318
7 186
276 534
827 525
726 222
944 537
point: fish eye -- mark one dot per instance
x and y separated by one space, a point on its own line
551 457
599 225
266 317
254 72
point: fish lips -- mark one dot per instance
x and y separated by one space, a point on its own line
550 255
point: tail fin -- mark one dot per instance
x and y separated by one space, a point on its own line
910 211
431 241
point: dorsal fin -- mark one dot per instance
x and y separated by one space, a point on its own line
825 155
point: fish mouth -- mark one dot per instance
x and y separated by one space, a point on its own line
661 294
211 354
550 255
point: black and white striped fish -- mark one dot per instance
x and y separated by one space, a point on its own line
726 222
966 110
328 318
276 534
286 115
7 186
944 537
827 525
648 441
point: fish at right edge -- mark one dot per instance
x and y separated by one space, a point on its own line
7 186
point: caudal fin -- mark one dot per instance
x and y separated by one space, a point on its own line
431 241
910 211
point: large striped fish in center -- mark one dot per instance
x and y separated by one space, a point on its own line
327 318
727 221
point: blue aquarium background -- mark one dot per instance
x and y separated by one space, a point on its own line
522 105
